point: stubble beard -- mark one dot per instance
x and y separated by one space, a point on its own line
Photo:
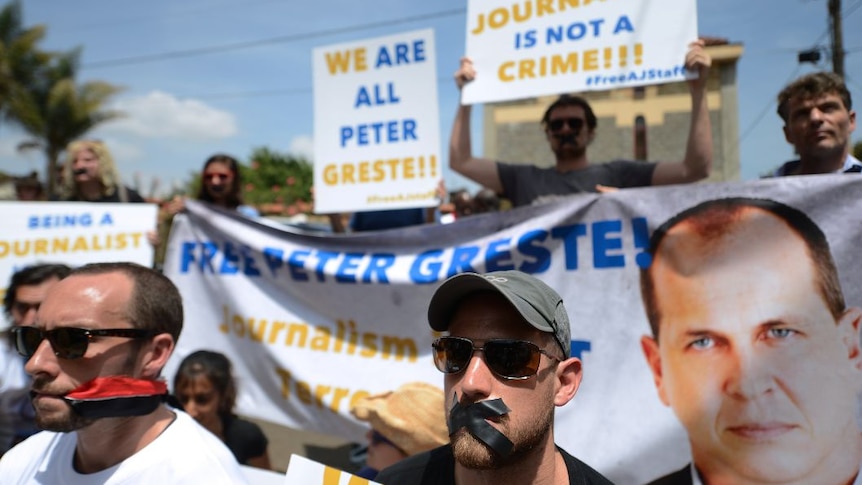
65 419
474 454
56 415
569 150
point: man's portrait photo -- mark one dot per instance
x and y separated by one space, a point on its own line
753 346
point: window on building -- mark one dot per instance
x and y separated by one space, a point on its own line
640 138
639 92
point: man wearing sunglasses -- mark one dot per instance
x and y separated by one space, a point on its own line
753 346
569 125
27 288
507 364
95 352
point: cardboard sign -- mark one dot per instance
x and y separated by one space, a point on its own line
74 233
303 471
539 47
376 124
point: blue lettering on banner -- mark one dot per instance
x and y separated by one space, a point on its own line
600 242
579 347
401 54
379 132
56 221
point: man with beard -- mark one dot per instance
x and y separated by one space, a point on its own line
95 352
569 125
753 346
507 360
818 121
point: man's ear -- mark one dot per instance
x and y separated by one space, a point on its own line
569 373
156 355
852 116
849 324
653 358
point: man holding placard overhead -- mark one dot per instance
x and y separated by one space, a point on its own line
570 126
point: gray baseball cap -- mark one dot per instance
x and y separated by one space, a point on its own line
538 303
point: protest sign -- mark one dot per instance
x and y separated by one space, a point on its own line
309 472
376 124
540 47
73 233
314 322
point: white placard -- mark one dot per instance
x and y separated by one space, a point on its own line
74 233
376 124
540 47
302 471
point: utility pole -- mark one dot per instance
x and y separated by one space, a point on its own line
837 37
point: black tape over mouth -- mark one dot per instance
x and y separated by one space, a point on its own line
473 417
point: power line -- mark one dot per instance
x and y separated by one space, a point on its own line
272 92
124 61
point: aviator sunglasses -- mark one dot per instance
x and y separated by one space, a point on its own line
574 123
68 342
509 359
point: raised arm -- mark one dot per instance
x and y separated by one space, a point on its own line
698 151
461 159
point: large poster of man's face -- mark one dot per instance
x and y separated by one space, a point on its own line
753 346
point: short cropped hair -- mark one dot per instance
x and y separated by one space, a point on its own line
31 276
155 303
715 219
568 100
812 86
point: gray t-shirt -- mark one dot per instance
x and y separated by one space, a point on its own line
523 184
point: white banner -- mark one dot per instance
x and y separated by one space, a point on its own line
376 124
73 233
312 322
536 48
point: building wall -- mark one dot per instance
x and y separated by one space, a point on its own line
513 132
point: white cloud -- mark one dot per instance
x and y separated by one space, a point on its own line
303 146
161 115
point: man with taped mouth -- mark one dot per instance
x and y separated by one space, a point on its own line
507 364
95 352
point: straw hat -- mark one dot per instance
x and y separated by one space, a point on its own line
412 416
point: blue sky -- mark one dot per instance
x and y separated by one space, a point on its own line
181 109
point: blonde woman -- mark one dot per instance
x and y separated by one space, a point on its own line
90 175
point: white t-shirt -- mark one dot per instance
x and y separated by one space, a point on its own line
185 453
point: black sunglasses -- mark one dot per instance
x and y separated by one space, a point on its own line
68 342
509 359
574 123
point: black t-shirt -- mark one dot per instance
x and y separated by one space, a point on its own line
437 467
244 438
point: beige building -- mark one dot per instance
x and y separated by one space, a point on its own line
646 123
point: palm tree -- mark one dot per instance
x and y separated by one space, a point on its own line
54 110
20 58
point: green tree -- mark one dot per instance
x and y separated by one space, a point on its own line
20 58
277 178
55 110
857 150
